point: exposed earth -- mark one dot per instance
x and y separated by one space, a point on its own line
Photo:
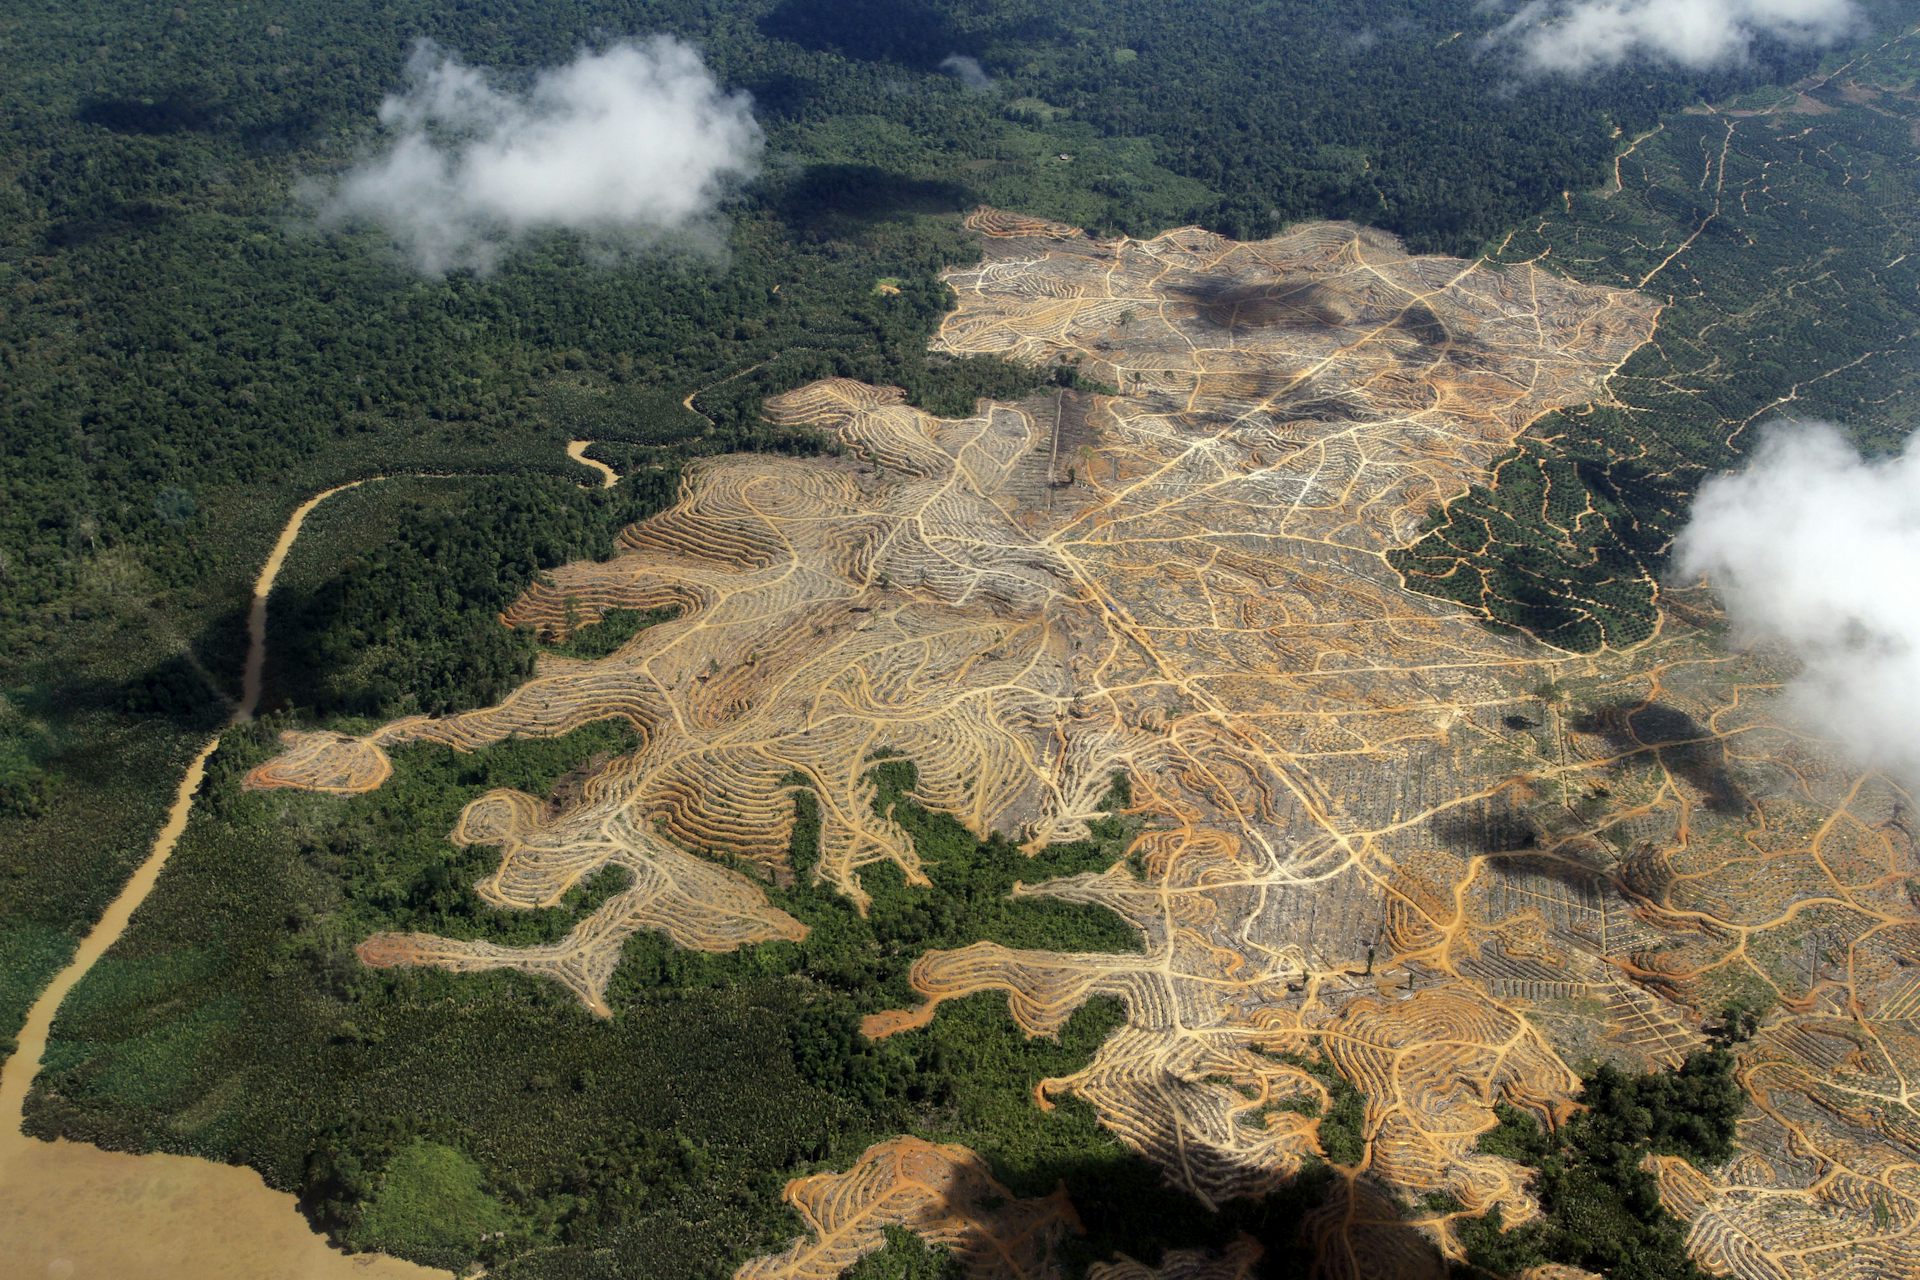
1447 859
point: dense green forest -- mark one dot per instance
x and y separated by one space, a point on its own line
413 625
1600 1210
907 1257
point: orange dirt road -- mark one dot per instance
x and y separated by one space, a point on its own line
577 450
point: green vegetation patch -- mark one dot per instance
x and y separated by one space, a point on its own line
615 628
1343 1121
106 784
25 745
1600 1209
432 1201
907 1257
413 626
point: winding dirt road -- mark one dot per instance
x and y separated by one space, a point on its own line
68 1209
577 450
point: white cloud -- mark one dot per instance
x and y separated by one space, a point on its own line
967 71
1817 550
630 146
1573 36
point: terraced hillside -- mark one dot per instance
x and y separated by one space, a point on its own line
975 594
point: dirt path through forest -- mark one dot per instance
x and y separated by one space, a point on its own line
68 1209
577 450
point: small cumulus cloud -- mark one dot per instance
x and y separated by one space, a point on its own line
1575 36
967 71
630 146
1816 549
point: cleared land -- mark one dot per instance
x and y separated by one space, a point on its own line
1185 583
1450 862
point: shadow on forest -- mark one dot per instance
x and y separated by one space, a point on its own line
155 678
180 110
171 689
1628 486
191 109
1530 606
131 217
910 32
779 94
1684 746
826 199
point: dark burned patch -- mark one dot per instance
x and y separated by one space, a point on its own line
568 788
1684 746
1647 873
